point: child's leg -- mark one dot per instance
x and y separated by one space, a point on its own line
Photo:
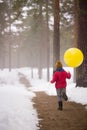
59 95
64 94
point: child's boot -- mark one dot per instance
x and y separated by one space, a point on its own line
60 105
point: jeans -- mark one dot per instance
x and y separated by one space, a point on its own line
60 92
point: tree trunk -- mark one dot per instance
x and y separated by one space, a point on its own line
56 42
75 22
10 36
40 56
47 43
75 31
81 72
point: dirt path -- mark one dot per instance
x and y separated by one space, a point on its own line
73 117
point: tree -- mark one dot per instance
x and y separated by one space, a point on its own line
81 72
56 41
3 12
47 43
66 26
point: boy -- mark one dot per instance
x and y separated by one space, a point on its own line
59 78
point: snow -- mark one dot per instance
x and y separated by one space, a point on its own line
16 106
1 1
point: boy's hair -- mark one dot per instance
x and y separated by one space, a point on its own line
58 64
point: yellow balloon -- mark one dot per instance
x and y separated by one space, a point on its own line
73 57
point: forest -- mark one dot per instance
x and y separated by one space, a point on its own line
26 31
35 33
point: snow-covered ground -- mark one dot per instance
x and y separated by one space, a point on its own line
16 106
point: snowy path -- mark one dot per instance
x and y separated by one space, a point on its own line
16 107
73 116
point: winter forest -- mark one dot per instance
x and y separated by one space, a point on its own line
36 33
27 29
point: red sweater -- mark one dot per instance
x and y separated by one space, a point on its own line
59 77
